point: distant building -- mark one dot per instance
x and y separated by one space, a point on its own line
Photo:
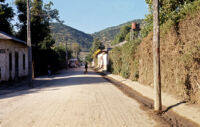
13 58
135 27
101 57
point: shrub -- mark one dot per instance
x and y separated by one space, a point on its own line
122 35
115 60
123 60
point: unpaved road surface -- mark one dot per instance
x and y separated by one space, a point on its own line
72 99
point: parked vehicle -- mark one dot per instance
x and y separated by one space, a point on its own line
73 63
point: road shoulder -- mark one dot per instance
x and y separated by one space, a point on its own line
177 111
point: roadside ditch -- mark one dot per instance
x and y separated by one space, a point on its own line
166 118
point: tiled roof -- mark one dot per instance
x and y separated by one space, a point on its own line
5 36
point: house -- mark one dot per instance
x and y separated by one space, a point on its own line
102 61
13 58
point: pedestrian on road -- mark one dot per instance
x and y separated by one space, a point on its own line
49 70
86 67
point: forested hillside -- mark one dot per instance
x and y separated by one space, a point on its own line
63 33
109 34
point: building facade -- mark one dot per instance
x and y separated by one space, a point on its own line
101 58
13 58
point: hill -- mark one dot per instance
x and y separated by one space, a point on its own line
108 34
66 34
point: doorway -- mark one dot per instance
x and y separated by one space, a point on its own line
16 65
10 66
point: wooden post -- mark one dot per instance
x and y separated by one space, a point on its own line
29 44
156 57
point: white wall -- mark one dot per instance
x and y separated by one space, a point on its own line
105 61
102 61
12 47
2 66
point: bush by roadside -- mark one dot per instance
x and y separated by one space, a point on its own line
123 60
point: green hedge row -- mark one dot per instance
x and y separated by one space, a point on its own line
124 61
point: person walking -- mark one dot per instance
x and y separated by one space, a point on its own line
49 70
86 67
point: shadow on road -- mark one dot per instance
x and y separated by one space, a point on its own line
173 106
63 79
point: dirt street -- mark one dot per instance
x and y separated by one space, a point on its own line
72 99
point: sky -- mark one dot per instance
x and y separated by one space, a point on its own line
92 16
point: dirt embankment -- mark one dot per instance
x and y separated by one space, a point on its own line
180 59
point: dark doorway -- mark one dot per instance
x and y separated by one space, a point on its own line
16 65
0 74
24 60
10 66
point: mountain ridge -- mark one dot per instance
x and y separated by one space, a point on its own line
66 34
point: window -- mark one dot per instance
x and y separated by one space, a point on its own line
24 61
10 61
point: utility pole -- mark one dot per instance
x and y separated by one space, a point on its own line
29 44
156 57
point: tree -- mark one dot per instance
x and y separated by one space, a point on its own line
6 15
41 16
61 51
169 10
167 7
40 24
42 41
122 35
22 26
51 14
76 49
97 44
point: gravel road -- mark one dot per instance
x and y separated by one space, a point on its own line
72 99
